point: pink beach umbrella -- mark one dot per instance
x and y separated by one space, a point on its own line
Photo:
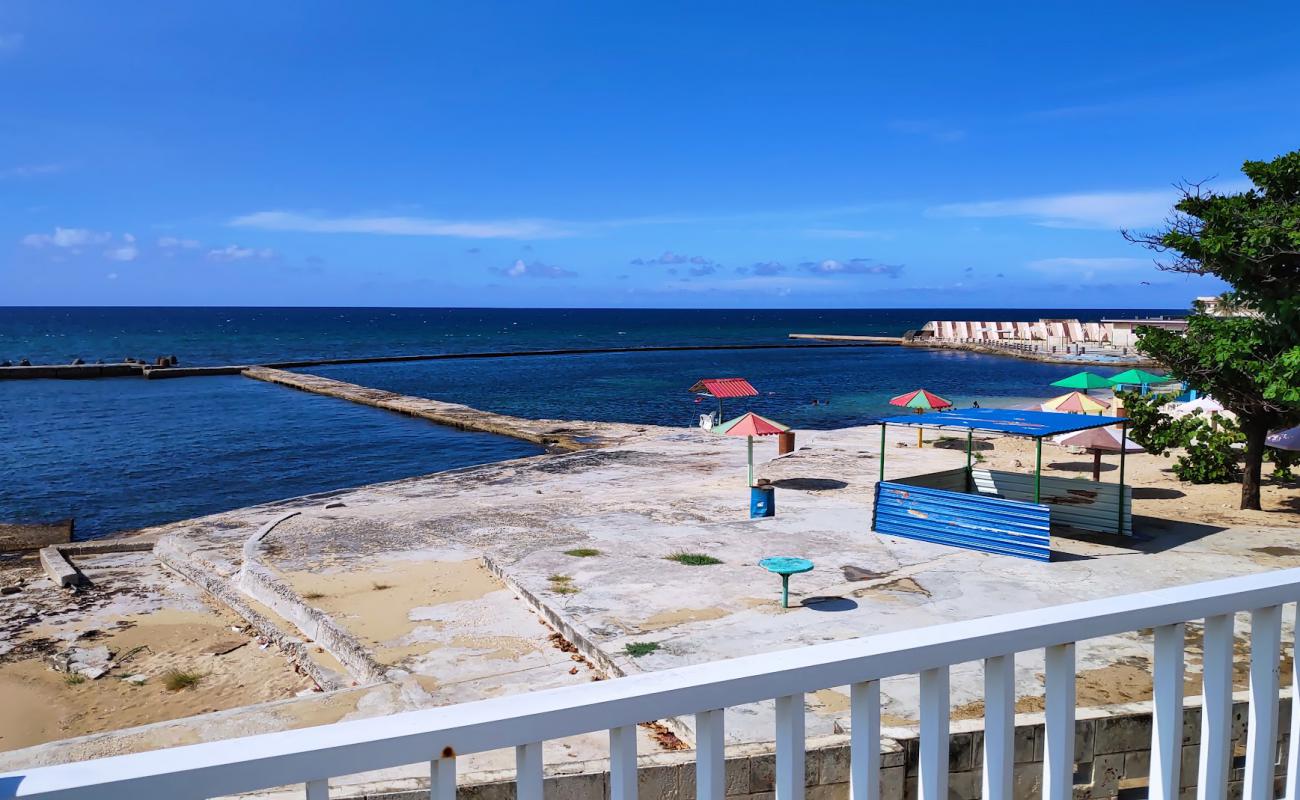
1098 441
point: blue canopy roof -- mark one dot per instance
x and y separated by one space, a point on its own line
1036 424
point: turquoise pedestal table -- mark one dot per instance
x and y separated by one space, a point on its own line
785 566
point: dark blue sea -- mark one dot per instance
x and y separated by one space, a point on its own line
118 454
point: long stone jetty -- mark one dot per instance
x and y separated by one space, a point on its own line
137 369
554 435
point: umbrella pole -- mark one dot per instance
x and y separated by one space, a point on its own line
750 441
919 431
970 438
1096 466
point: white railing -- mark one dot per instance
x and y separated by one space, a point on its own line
314 755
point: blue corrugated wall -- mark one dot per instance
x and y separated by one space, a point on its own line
972 521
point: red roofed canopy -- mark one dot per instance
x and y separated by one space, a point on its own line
725 387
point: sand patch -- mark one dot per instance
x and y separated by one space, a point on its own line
41 705
680 616
376 603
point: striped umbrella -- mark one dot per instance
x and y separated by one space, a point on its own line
750 425
922 401
1098 441
1076 403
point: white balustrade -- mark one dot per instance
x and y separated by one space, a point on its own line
311 757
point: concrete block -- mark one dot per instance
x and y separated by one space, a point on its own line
833 765
838 791
1084 737
1107 772
736 776
1137 764
961 756
1188 765
1027 780
59 569
1025 744
1122 734
1192 725
591 786
762 773
892 783
1240 717
496 790
658 782
967 785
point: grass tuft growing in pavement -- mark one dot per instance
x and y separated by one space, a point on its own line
582 552
693 559
638 649
177 679
562 584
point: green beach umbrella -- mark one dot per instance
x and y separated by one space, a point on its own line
1083 381
1138 377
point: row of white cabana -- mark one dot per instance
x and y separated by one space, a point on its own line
1064 331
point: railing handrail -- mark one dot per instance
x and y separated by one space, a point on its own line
346 748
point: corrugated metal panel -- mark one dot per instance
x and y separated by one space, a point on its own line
725 387
1075 502
971 521
953 480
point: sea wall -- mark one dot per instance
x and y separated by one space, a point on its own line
1112 754
34 536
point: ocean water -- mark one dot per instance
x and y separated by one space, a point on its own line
123 453
807 388
207 336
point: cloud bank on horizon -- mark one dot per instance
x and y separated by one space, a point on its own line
392 160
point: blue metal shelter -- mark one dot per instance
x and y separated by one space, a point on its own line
992 511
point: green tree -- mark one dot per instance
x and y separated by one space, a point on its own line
1247 353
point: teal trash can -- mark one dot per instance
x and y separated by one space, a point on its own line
762 501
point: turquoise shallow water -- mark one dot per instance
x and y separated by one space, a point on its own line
125 453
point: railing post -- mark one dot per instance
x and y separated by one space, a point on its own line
932 780
1058 731
1293 746
622 763
710 755
999 726
442 778
789 747
318 790
1216 709
864 741
1261 730
528 771
1167 715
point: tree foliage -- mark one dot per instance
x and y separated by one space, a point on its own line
1250 363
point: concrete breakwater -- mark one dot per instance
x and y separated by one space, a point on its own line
554 435
137 369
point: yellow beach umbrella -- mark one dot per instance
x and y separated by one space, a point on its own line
1076 403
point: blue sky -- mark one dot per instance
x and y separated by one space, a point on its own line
650 155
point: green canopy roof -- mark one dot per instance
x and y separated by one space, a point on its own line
1138 377
1083 380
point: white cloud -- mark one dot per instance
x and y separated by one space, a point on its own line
171 243
406 226
537 269
10 43
66 238
1065 264
233 252
127 252
934 131
845 233
853 266
1133 209
112 276
30 170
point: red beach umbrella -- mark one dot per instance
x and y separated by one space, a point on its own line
750 425
922 401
